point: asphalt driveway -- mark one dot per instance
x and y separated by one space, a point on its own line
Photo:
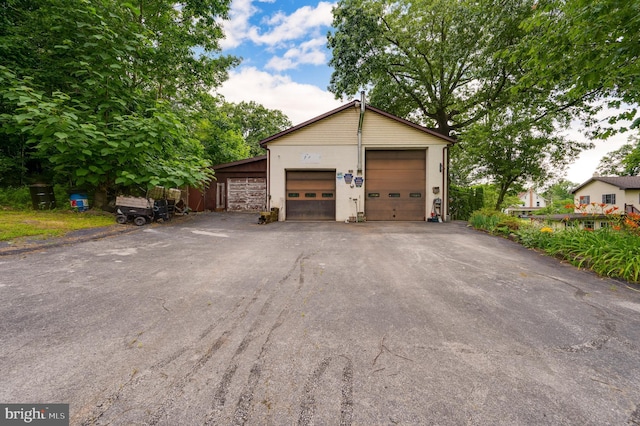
218 320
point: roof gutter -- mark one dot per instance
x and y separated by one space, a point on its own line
360 121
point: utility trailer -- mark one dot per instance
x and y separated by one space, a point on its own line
141 210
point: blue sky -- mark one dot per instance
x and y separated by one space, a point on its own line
283 46
284 67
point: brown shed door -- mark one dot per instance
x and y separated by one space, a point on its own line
311 195
395 185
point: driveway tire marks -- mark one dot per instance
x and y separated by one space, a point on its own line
178 385
346 405
243 406
308 404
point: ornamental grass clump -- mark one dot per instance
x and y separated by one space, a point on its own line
606 251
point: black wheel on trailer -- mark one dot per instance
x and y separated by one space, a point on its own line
140 220
121 219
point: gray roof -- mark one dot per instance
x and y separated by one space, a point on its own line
622 182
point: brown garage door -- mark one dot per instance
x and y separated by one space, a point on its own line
246 194
395 185
311 195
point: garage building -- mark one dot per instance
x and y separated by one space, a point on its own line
239 186
358 161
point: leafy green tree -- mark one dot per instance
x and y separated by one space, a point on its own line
511 151
560 190
440 63
450 64
585 49
559 198
222 140
101 90
624 161
255 122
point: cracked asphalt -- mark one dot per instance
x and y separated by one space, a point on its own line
218 320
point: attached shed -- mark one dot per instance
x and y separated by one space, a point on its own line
358 161
239 186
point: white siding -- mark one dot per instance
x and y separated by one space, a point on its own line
596 189
332 144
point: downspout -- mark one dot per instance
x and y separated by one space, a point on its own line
362 109
267 202
445 183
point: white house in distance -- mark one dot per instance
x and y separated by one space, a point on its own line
622 192
357 162
530 201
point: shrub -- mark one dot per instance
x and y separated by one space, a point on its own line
15 198
19 198
486 219
533 236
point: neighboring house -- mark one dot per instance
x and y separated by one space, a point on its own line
597 200
530 201
357 162
601 193
238 186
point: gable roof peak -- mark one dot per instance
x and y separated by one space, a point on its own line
622 182
356 103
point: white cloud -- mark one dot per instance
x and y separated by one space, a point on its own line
237 27
278 28
300 102
310 52
291 27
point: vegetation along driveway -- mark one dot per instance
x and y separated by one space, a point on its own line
218 320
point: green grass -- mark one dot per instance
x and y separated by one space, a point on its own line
48 224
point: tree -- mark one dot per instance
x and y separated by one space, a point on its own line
221 138
510 150
585 48
450 64
624 161
559 198
101 90
440 63
560 190
255 123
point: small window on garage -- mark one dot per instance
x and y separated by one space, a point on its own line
293 194
394 195
373 195
309 195
415 195
327 195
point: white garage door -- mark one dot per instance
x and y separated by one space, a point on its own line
246 194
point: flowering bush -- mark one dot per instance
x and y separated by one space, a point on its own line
613 251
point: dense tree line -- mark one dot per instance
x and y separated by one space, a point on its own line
111 94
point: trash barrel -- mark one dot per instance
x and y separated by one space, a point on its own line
79 201
42 196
